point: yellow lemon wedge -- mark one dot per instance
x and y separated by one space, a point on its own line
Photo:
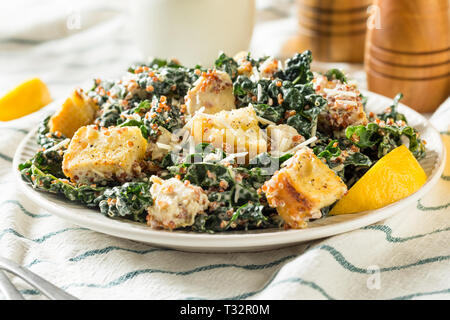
394 177
24 99
446 139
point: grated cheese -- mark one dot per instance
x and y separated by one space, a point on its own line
188 124
336 92
261 119
236 192
259 96
163 146
232 156
301 145
255 75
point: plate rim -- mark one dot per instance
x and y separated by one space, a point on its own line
240 241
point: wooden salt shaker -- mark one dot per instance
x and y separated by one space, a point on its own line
409 52
334 30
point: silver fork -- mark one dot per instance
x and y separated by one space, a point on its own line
11 293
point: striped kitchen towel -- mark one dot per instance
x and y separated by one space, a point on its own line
404 257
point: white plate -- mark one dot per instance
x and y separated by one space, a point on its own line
234 241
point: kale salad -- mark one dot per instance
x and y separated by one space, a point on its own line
251 143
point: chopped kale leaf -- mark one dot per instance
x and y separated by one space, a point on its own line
45 138
129 200
336 74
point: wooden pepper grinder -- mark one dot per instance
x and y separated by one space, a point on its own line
334 30
409 52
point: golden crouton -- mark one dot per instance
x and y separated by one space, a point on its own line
233 131
213 91
76 111
344 108
304 186
97 155
175 203
283 137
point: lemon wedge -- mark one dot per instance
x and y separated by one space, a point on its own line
24 99
446 139
394 177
